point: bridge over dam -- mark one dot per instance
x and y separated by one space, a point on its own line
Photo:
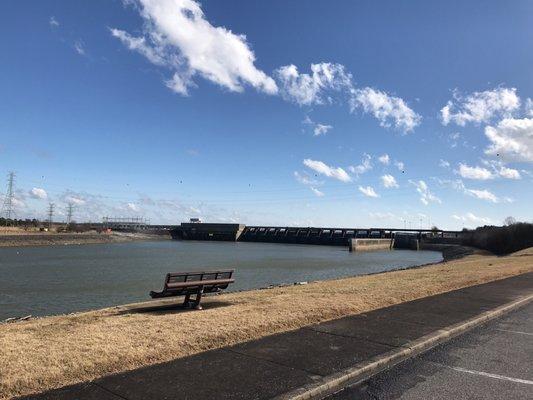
304 235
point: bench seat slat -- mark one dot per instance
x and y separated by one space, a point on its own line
215 282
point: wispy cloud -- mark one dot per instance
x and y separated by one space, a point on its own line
483 195
79 47
368 191
426 196
384 159
364 166
321 129
388 181
313 88
310 182
480 107
317 192
400 165
469 218
388 110
52 21
528 108
477 173
324 169
444 163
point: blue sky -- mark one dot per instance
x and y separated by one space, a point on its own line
368 113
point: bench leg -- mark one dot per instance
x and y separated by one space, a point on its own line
196 302
187 300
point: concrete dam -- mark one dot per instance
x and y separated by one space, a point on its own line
382 237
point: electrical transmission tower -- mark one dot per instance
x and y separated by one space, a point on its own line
51 207
7 207
70 210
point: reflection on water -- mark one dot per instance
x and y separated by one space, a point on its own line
62 279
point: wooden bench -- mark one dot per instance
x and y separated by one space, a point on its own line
194 283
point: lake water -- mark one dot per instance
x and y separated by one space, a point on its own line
61 279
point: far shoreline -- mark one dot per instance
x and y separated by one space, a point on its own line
62 239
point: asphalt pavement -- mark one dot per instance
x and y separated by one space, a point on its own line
494 361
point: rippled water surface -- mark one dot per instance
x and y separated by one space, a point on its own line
62 279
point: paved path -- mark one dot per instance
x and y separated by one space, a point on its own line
269 367
494 361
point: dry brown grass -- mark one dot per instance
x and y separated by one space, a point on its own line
46 353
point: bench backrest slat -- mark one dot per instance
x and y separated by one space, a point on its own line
195 276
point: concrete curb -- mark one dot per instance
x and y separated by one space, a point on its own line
362 371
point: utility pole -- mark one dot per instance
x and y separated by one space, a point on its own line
70 209
50 215
7 207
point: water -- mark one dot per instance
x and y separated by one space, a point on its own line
61 279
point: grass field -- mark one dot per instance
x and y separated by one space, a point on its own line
51 352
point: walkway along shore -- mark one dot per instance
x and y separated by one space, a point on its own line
46 353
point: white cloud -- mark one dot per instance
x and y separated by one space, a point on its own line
478 173
499 169
529 108
79 47
382 215
480 107
368 191
470 218
389 181
308 89
140 45
384 159
482 195
509 173
321 129
365 166
444 163
388 110
133 207
53 21
425 194
400 165
331 172
317 192
305 179
511 139
38 193
453 139
77 200
177 36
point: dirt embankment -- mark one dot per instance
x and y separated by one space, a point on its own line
51 352
49 239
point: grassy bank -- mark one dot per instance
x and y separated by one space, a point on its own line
51 352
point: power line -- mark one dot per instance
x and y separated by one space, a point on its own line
7 207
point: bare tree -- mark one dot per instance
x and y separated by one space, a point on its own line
509 221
